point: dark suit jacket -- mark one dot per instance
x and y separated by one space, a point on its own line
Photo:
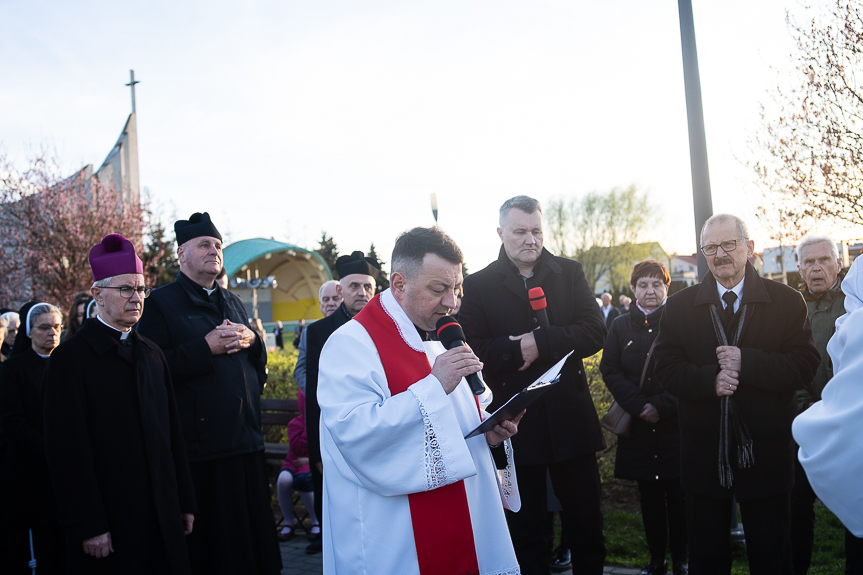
561 424
778 358
317 335
612 313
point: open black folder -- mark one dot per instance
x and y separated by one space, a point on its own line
521 399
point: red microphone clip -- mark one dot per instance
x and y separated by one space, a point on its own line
537 298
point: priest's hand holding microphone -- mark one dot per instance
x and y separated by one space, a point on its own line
460 362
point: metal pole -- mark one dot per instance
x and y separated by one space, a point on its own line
701 198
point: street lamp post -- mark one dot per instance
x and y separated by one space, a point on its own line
701 199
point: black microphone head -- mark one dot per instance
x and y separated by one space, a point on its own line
448 330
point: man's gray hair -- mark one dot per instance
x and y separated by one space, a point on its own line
813 238
524 203
325 284
104 282
742 228
412 246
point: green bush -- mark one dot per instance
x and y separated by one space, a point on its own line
280 385
602 398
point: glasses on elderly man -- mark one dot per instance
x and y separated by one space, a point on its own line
127 291
727 247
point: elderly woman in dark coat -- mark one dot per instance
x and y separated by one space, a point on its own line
651 453
31 515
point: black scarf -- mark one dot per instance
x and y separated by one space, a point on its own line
729 419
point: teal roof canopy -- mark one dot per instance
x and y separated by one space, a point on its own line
244 252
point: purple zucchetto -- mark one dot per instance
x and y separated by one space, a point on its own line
114 256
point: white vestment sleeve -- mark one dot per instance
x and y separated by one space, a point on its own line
507 482
829 432
389 445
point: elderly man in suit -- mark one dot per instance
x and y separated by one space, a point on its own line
734 349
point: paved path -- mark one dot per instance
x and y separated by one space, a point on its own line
297 562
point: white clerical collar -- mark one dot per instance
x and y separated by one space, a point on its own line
123 334
210 291
403 322
43 356
738 291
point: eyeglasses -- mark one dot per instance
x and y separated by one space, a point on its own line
127 291
727 247
46 327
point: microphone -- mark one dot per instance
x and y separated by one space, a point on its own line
450 334
537 302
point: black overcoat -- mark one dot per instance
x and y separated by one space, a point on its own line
652 450
115 451
562 424
218 396
318 334
28 497
778 357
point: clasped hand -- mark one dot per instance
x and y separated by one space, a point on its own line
98 546
727 379
229 337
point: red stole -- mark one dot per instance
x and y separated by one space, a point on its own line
443 533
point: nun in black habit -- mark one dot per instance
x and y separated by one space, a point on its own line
112 435
32 530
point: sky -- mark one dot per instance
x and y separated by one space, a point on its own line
285 119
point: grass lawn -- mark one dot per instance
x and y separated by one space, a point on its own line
624 536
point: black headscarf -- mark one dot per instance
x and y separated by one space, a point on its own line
22 340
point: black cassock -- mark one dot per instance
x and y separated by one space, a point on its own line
27 497
116 453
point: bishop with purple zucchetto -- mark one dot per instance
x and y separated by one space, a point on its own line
115 448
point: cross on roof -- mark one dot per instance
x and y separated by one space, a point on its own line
132 85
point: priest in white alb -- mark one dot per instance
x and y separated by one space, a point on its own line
404 492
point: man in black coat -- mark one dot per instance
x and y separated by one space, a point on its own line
609 312
112 435
356 287
218 366
769 355
560 433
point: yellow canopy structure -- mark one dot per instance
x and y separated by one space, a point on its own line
299 274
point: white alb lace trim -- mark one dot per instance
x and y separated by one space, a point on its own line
511 571
437 470
506 473
399 327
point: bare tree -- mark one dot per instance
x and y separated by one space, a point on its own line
602 231
49 223
810 152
